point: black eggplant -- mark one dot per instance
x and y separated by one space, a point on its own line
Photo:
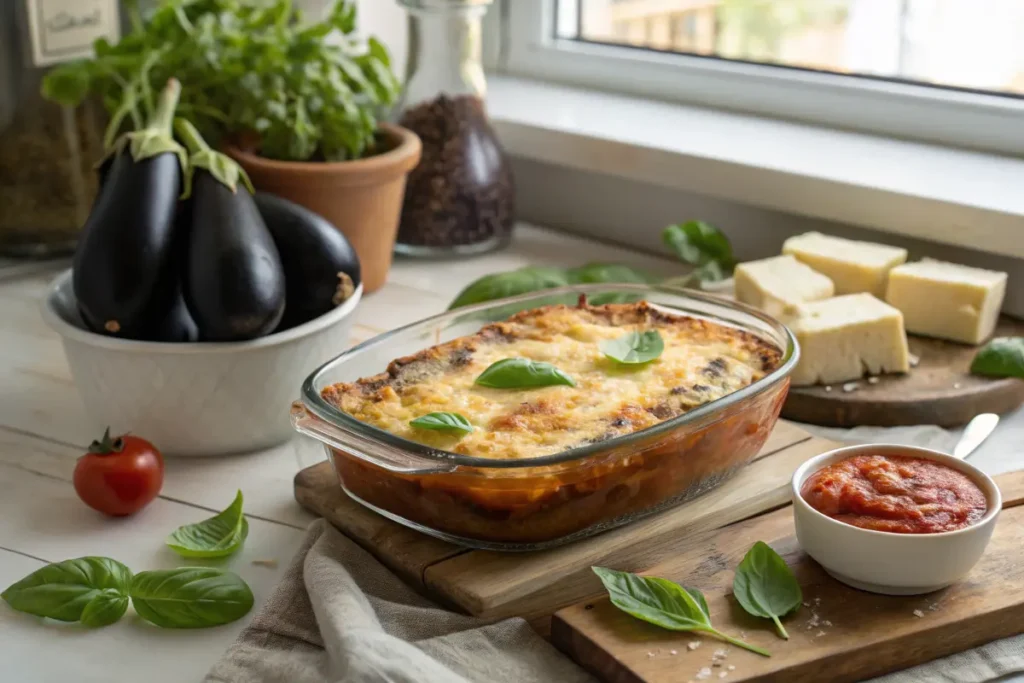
124 277
320 265
233 281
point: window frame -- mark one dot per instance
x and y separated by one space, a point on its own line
949 117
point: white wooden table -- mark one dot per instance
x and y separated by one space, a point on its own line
43 429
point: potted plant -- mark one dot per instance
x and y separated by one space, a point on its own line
297 104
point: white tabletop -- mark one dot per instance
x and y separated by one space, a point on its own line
43 429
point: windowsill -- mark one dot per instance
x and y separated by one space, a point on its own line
924 191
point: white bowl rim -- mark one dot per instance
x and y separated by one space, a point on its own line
980 479
66 329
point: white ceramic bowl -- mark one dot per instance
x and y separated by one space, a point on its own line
891 563
195 399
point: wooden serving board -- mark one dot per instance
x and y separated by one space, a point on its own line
848 633
940 390
495 585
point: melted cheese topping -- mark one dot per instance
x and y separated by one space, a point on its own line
702 361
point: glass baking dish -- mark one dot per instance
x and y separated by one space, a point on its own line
545 501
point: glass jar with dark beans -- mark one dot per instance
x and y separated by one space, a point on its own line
461 196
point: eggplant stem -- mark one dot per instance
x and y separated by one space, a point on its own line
163 115
188 134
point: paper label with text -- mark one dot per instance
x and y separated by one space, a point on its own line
62 30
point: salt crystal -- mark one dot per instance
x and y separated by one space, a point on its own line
807 604
820 634
731 667
956 385
932 607
722 674
850 386
828 387
719 654
672 652
693 645
650 655
704 673
914 360
918 613
817 601
827 622
872 380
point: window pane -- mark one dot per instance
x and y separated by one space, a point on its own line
974 44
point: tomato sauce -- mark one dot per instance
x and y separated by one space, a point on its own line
898 494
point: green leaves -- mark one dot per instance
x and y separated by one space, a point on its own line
522 373
96 591
443 422
190 597
696 243
218 536
634 347
765 587
106 607
309 89
64 590
512 283
1001 357
663 603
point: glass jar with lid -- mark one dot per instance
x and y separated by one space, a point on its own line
47 151
461 197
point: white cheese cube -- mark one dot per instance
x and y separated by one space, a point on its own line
947 300
776 284
847 336
852 266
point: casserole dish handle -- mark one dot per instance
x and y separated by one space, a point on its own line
361 447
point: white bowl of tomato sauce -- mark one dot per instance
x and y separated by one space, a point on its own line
893 519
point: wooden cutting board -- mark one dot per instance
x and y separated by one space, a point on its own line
494 585
939 390
849 634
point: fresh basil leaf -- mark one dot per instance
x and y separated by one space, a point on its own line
663 603
1001 357
522 373
765 587
190 597
634 347
443 422
512 283
657 601
105 608
698 597
218 536
62 590
606 272
699 244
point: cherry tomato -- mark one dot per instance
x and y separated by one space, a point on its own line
119 476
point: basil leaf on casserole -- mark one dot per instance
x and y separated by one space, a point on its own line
443 422
522 373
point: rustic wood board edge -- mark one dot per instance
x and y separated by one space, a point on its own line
939 391
874 658
488 585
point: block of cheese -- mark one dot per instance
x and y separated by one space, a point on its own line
852 266
847 336
947 300
776 284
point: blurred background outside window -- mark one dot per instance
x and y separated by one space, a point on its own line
968 44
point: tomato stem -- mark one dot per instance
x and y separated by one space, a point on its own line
106 445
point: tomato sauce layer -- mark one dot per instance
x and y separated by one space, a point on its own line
898 494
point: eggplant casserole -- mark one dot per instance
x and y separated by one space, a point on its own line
702 361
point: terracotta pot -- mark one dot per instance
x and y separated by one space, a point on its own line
363 198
